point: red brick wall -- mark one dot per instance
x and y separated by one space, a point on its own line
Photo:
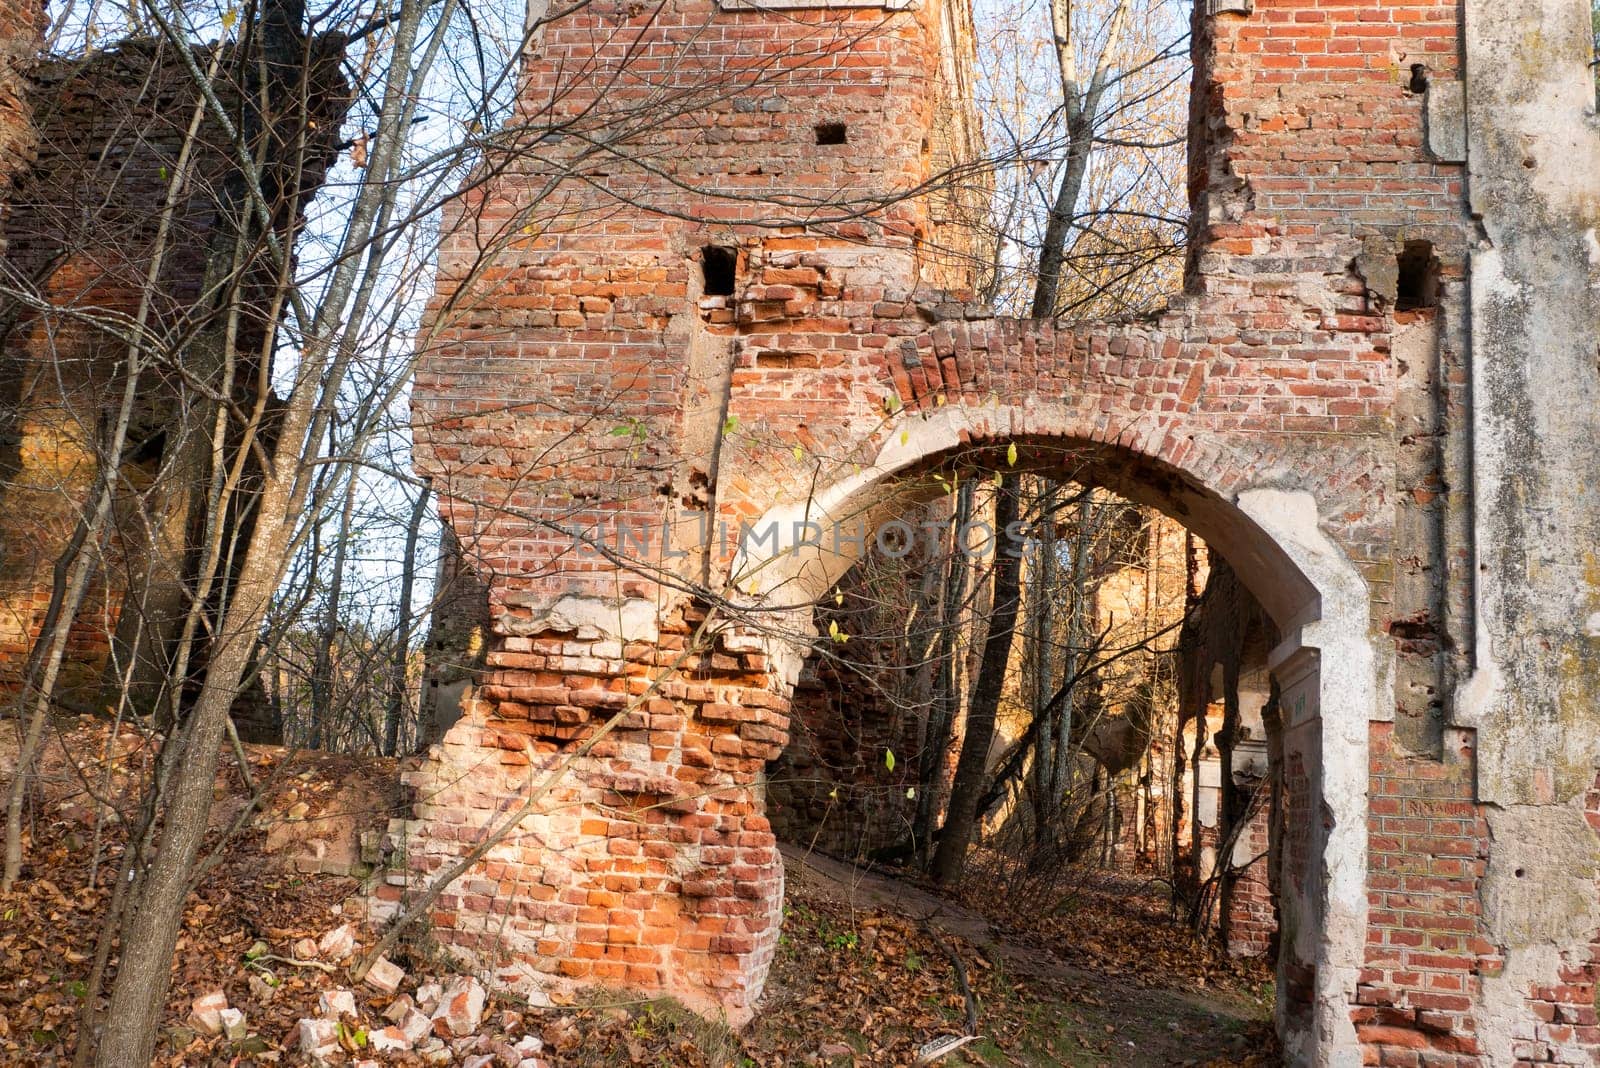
1307 133
651 864
584 377
22 24
81 228
602 308
831 788
1425 952
1249 915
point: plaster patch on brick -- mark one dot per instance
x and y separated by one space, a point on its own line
1541 910
587 617
1447 120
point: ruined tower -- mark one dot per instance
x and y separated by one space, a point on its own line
620 349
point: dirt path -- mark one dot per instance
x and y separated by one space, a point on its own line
1084 1016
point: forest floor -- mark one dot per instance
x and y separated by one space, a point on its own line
865 972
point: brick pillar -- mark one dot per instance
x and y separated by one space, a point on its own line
650 863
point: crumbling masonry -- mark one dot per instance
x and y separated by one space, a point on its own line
88 147
1377 398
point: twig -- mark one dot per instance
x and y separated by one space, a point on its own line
317 964
961 976
239 755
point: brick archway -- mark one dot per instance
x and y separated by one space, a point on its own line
1171 462
1276 539
652 864
1259 408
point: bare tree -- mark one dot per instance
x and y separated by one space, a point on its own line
1106 128
1084 105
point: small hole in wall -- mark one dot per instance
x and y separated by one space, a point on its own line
1520 873
1419 78
719 264
832 133
1419 277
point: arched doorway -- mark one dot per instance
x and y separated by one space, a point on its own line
1269 529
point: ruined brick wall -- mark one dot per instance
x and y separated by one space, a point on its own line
66 374
1308 157
1302 401
1223 651
22 24
1249 915
615 318
83 238
21 36
825 359
831 788
1425 952
1431 957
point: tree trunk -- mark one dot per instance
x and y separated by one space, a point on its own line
152 614
942 705
1053 252
1041 602
972 766
155 908
139 994
1078 640
324 730
1082 110
399 692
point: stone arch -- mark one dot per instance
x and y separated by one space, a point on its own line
1272 526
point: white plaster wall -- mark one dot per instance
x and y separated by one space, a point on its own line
1337 626
1533 160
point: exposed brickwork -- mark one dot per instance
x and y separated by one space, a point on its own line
838 346
1249 915
651 865
587 378
1425 952
1225 640
22 24
830 788
82 231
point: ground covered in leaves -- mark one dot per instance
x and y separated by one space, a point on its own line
866 971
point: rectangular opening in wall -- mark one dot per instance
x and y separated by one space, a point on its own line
718 264
832 133
1419 277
